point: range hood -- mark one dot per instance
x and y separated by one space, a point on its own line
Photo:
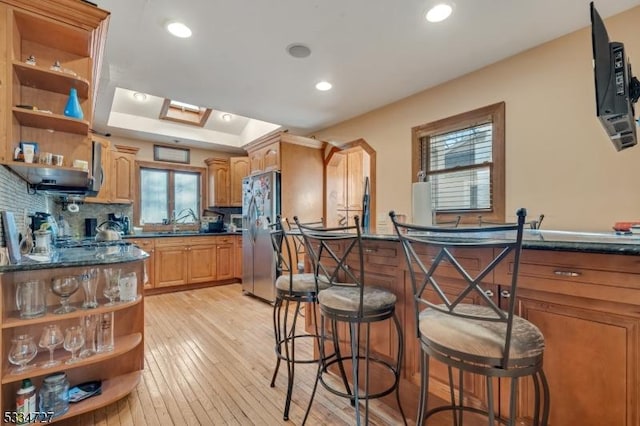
62 180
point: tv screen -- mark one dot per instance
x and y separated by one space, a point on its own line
616 88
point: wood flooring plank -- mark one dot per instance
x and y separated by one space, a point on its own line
209 357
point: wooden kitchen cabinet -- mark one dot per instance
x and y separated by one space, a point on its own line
238 257
148 245
118 165
346 173
300 162
238 170
218 182
265 159
67 31
225 267
225 180
123 173
184 260
586 306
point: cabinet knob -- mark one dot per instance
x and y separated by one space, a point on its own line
489 293
505 294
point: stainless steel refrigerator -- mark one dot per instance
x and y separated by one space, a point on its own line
260 206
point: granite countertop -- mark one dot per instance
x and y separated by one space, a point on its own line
165 234
79 256
586 242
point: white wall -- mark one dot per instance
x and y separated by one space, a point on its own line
559 161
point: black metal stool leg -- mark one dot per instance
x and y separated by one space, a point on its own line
355 336
536 399
400 353
321 359
546 406
366 374
338 354
276 330
424 386
512 401
491 414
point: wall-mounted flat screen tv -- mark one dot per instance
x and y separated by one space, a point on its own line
616 88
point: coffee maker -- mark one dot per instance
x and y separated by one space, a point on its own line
122 221
40 218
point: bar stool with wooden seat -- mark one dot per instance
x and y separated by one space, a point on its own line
337 258
291 289
483 338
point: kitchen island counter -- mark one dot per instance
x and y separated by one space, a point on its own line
583 242
79 256
581 289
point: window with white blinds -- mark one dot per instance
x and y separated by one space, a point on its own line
460 168
463 157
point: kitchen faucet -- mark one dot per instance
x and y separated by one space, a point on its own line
179 217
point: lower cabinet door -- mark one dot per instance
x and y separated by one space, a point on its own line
171 266
224 261
202 263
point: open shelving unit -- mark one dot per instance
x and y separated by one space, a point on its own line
119 370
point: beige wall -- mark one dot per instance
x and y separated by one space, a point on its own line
196 156
559 161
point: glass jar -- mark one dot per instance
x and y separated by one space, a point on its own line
54 394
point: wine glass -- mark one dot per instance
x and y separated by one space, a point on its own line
22 351
111 285
64 287
50 339
73 340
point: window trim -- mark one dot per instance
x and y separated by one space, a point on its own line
494 113
170 167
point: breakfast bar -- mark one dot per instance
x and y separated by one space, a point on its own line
582 290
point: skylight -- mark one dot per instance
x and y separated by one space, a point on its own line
185 113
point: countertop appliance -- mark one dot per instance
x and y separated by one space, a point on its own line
260 206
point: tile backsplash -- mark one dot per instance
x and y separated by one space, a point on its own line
15 197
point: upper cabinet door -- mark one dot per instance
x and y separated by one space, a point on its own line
123 169
239 169
272 157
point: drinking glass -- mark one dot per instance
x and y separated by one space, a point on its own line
64 287
112 285
22 351
73 340
50 339
90 325
89 279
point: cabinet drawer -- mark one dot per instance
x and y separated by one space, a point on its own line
171 241
596 276
145 244
225 240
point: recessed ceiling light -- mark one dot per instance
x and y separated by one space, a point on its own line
139 96
179 29
298 50
439 12
226 117
324 86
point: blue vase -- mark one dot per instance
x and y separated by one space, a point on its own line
73 109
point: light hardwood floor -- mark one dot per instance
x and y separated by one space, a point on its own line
208 361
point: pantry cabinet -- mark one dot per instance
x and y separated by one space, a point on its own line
300 163
65 38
